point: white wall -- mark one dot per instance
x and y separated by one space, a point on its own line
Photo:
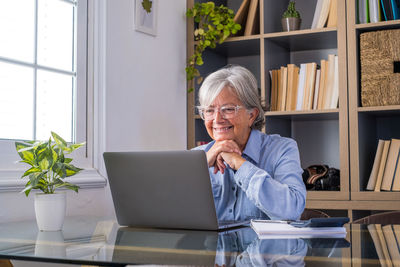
143 104
146 95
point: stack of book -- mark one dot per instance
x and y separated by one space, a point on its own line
387 242
306 87
377 10
385 174
325 14
248 17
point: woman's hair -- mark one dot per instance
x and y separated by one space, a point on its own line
241 81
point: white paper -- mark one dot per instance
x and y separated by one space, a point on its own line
267 229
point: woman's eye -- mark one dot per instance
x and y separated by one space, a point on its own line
229 110
209 111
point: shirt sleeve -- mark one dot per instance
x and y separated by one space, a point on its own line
281 195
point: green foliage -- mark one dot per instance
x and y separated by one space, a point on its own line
214 25
48 164
291 11
147 4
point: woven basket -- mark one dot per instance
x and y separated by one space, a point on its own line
380 86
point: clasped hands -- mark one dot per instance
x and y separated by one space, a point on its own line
224 151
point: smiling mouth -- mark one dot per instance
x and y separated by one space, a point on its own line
222 129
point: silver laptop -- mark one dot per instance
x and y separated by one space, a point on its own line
163 189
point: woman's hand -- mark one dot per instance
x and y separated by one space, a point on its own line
229 146
234 160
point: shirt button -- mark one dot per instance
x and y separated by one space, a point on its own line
230 210
240 183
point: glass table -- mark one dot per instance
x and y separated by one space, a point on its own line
101 242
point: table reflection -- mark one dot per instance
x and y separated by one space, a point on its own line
239 247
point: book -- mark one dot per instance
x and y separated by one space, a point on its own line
382 165
387 9
329 80
392 244
241 16
375 167
321 93
317 13
332 17
295 85
309 86
374 11
385 249
282 229
284 79
316 90
396 9
300 87
335 85
324 14
362 11
251 18
396 180
396 230
377 243
290 81
391 164
279 90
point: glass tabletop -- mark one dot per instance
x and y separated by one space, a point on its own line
99 241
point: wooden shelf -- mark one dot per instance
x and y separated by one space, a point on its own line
392 24
325 38
328 114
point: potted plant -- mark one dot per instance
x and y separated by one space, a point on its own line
291 18
48 167
213 24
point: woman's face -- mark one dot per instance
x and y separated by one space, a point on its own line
236 128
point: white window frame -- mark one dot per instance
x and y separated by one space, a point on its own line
91 23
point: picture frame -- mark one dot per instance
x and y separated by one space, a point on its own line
146 22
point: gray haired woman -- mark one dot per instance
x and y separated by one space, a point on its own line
253 175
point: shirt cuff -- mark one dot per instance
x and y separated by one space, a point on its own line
244 173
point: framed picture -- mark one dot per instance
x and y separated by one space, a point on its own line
146 16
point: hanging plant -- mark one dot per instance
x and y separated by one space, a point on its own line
213 25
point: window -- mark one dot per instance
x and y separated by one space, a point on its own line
43 64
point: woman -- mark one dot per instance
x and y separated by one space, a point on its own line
254 175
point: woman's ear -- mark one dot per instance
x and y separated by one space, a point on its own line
253 115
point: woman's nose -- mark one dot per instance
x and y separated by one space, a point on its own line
218 116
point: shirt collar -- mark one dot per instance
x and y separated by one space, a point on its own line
252 149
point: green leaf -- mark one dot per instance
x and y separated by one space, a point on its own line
30 171
147 4
25 151
59 168
68 185
45 159
71 169
67 160
59 141
76 146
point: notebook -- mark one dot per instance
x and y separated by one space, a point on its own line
163 189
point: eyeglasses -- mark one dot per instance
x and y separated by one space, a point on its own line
227 112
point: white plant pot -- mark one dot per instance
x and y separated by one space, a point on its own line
50 211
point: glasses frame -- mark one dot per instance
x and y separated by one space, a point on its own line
202 108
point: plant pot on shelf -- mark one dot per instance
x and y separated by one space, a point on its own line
291 24
50 211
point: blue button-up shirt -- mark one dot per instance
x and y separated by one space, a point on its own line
268 185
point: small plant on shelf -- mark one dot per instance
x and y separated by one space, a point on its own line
213 24
291 18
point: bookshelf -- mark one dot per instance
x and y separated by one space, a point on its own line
341 137
367 124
